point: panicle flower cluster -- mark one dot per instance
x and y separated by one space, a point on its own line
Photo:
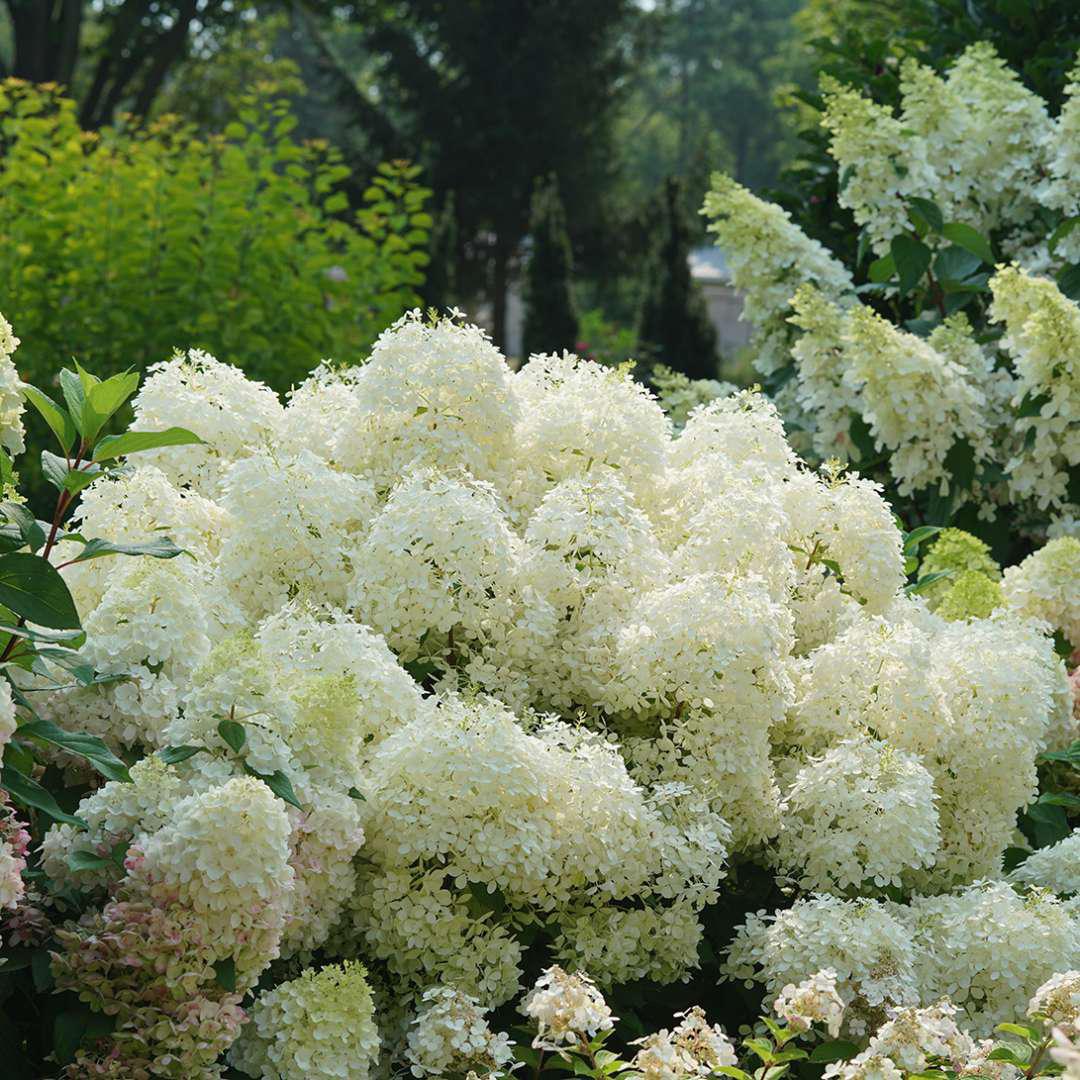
679 396
450 1036
319 1026
983 947
526 666
1056 867
1046 585
857 817
11 396
813 1001
567 1009
209 888
769 257
692 1048
983 149
1057 1003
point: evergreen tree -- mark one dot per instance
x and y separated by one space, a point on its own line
551 321
440 285
674 318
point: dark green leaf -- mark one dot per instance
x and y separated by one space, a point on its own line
928 211
281 786
225 973
32 588
75 1027
171 755
880 270
56 417
88 746
960 462
1031 405
41 968
1068 281
131 442
30 793
955 264
30 531
1061 232
356 793
233 733
159 548
87 860
1060 798
1007 1053
913 539
926 581
912 258
1070 756
970 239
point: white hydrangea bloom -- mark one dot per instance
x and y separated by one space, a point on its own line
813 1001
1056 868
1066 1052
769 257
1057 1003
989 949
567 1009
432 394
856 818
1061 189
233 415
11 395
912 1037
867 946
8 719
303 520
1046 585
450 1036
693 1048
579 417
1042 334
320 1026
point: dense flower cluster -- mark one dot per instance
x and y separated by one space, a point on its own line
468 666
972 154
983 947
11 397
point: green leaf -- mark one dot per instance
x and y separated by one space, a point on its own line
64 479
57 418
225 973
35 591
88 746
356 793
1061 232
41 968
960 462
970 239
108 395
74 1027
281 786
87 860
1060 798
913 539
926 581
731 1070
954 265
172 755
1068 281
30 531
761 1047
30 793
159 548
1069 756
836 1050
928 211
233 733
912 258
1025 1032
131 442
86 421
880 270
1012 1055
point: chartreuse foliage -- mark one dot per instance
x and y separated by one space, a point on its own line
134 240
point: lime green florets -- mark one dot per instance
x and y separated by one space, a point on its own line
971 595
959 552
